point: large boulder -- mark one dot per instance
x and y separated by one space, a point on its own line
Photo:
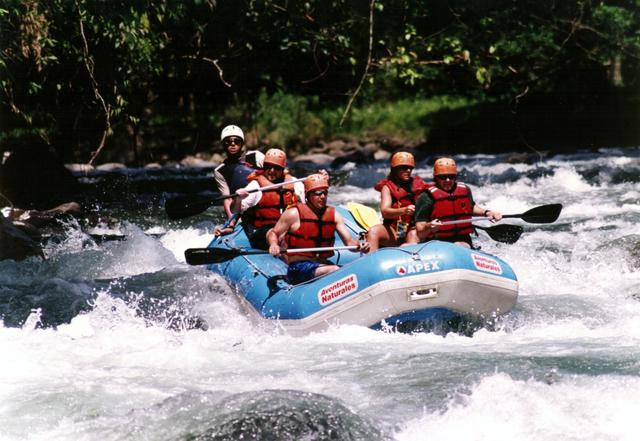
33 177
16 244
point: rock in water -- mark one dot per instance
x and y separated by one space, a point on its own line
33 177
287 415
15 244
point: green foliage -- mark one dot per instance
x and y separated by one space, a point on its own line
286 120
69 68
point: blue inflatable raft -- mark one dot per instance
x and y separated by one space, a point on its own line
433 280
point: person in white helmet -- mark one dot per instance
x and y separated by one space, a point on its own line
261 209
233 172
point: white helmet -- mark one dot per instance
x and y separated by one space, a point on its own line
255 158
231 131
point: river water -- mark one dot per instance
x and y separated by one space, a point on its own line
121 340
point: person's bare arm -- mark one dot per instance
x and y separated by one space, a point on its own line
223 188
494 216
343 232
389 212
226 203
288 218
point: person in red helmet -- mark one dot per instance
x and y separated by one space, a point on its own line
398 195
311 225
262 209
448 200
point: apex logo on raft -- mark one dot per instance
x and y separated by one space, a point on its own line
417 267
337 289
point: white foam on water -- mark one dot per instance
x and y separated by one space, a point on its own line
500 408
564 365
177 241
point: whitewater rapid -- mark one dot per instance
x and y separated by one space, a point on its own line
124 341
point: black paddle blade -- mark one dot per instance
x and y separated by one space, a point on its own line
503 233
207 256
544 214
180 207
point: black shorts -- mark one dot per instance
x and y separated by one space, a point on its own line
460 238
257 236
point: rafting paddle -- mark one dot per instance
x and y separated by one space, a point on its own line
205 256
544 214
503 233
183 206
365 216
500 233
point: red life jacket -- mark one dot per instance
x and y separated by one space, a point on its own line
452 206
402 198
272 204
314 231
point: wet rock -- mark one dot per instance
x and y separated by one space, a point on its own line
523 158
359 155
315 158
287 415
16 244
193 161
38 218
111 166
382 155
33 177
80 168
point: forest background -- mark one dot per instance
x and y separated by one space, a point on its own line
140 81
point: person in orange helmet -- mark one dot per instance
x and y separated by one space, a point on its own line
311 225
448 200
262 209
398 195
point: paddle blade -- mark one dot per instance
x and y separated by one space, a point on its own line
180 207
545 214
207 256
503 233
365 216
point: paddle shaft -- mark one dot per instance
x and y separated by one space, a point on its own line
206 256
501 233
319 249
268 187
189 205
456 222
544 214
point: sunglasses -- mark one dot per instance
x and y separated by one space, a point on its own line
445 177
230 141
272 166
320 192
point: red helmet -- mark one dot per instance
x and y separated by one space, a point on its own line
275 157
402 158
316 181
445 166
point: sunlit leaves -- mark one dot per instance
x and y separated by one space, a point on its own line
206 55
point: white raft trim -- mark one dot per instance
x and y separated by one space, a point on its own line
463 291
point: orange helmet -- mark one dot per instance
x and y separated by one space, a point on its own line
402 158
316 182
275 157
445 166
